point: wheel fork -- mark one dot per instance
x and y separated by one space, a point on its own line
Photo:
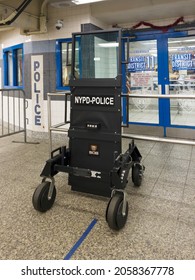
124 199
51 187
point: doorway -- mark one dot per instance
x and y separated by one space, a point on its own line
160 63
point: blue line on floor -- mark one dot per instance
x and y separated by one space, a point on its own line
81 239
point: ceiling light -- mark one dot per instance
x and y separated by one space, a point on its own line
174 42
149 42
79 2
108 45
190 40
182 41
173 49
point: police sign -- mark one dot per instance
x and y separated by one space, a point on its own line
94 100
37 91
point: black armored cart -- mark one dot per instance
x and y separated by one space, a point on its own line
94 159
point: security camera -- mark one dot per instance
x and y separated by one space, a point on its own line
59 24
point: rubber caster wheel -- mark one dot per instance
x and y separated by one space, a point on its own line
40 197
137 174
114 216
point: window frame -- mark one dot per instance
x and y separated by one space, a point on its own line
59 85
13 50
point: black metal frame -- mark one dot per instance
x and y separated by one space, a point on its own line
117 176
108 176
87 82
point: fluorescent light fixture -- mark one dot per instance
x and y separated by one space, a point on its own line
153 54
182 41
80 2
182 48
153 51
28 40
109 45
174 42
149 42
189 40
96 58
173 49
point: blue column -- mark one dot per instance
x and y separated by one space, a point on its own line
163 79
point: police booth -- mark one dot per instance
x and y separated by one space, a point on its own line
94 159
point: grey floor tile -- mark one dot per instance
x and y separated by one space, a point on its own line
155 205
160 149
177 164
153 166
183 244
193 153
187 214
190 180
166 190
189 195
174 178
181 152
192 166
175 171
156 161
145 188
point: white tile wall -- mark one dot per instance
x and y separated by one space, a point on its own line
105 67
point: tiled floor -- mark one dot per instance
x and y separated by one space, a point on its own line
160 225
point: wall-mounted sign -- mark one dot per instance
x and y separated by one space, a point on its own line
37 91
141 80
183 61
141 63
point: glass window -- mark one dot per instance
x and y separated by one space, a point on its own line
13 66
96 55
66 58
142 78
182 79
10 68
19 67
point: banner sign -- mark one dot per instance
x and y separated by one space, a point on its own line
37 91
183 61
141 63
